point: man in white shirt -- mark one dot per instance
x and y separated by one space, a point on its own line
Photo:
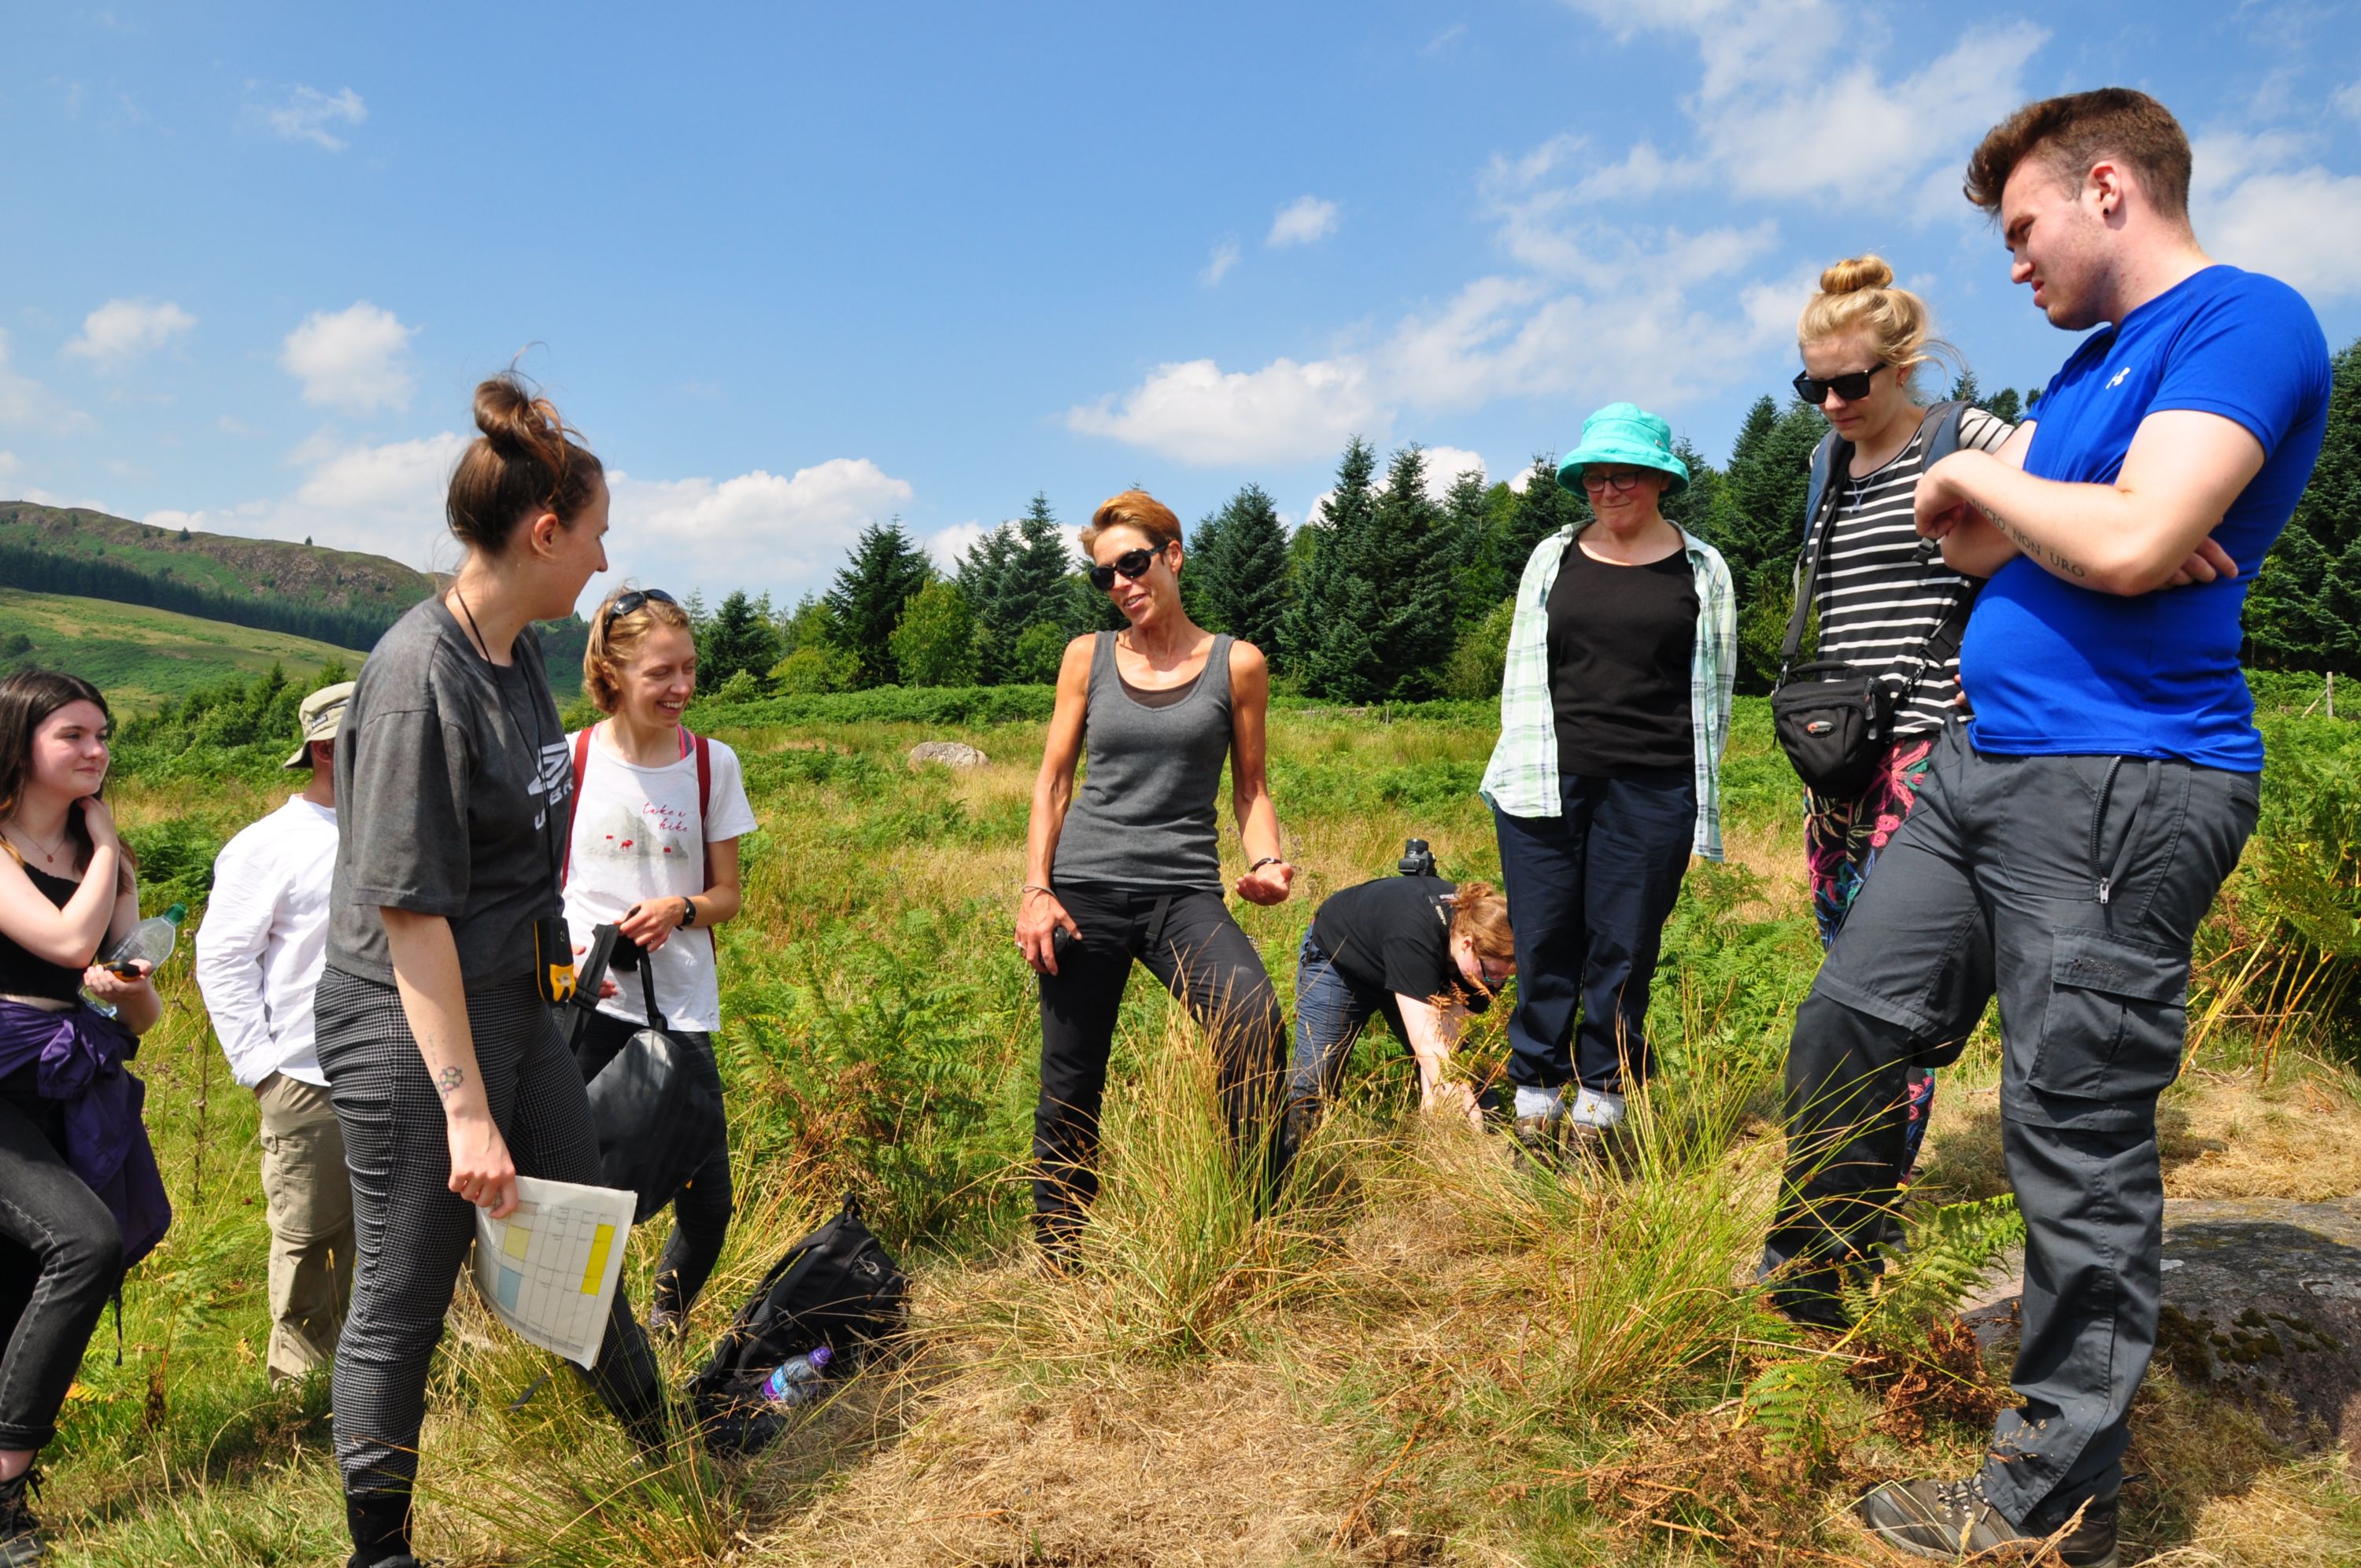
259 954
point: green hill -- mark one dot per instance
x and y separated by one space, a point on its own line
336 596
140 655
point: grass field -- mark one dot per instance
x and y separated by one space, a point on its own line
139 655
1425 1356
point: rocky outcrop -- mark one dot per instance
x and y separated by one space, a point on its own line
2262 1299
949 753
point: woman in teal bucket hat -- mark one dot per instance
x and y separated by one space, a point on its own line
1614 709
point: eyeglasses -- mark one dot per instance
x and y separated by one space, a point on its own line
1853 386
1508 972
633 602
1599 480
1132 564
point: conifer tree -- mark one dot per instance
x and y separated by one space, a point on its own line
1019 576
1234 577
1409 590
1333 654
1541 509
2305 609
740 636
1475 513
865 602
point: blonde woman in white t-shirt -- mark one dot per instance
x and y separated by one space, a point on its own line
654 852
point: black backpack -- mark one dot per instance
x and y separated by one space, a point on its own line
837 1286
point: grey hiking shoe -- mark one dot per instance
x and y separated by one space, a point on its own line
1954 1521
20 1533
1540 1140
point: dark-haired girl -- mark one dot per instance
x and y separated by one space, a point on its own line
448 1076
80 1197
1132 869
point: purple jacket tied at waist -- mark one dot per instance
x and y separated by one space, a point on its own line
80 1056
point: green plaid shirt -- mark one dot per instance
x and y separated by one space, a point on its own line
1523 777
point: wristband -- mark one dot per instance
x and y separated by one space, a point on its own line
688 912
1025 887
1266 860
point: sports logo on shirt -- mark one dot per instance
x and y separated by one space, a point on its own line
2119 377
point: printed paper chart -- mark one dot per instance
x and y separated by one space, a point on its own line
549 1269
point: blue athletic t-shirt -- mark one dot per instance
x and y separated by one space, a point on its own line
2052 669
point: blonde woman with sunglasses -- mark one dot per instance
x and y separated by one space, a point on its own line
1130 868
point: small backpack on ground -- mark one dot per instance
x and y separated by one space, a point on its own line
837 1286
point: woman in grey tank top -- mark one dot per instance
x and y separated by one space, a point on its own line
1131 869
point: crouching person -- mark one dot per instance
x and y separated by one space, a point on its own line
259 954
1418 949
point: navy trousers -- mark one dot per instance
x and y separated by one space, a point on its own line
1589 890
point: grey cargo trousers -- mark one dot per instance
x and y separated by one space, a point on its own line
2072 887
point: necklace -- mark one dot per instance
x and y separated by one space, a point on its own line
49 855
481 646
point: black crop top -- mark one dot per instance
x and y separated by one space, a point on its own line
21 973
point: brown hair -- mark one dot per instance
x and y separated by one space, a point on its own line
1480 913
28 697
615 639
1134 510
1857 295
527 461
2071 133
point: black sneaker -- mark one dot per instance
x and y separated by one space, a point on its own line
20 1533
1952 1520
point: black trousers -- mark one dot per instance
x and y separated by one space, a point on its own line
2071 887
1589 890
701 1208
415 1232
60 1257
1188 940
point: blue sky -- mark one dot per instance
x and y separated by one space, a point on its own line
793 269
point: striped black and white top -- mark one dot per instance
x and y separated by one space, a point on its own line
1877 604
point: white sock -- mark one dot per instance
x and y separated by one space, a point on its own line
1596 1108
1539 1103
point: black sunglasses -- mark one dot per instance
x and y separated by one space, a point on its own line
637 599
1131 563
1853 386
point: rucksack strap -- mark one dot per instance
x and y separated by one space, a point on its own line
581 765
704 797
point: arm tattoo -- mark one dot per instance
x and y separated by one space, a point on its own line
2055 559
448 1082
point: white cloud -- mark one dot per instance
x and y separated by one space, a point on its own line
1446 464
122 329
305 113
25 403
355 359
1194 413
386 500
946 545
1444 40
2347 100
1303 220
2300 225
8 464
759 530
1218 265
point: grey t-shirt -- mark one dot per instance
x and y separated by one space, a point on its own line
454 797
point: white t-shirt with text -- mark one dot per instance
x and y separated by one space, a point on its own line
637 838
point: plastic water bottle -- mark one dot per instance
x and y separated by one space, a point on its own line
798 1382
149 942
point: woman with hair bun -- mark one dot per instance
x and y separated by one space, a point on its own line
1132 869
654 853
448 1076
1422 953
1888 606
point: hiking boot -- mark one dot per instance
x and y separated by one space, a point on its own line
1540 1141
20 1533
1952 1520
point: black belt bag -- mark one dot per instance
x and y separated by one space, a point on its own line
1834 719
657 1120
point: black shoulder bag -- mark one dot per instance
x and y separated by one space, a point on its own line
656 1120
1833 719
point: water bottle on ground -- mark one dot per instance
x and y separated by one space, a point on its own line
798 1382
149 942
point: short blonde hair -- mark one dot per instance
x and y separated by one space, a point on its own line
1134 510
615 639
1857 295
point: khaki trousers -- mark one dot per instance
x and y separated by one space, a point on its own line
311 1197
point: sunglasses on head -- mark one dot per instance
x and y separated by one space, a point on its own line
1853 386
1132 564
636 601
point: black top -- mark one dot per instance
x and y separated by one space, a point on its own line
1620 641
22 973
455 796
1394 935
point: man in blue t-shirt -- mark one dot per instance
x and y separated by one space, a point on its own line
2070 835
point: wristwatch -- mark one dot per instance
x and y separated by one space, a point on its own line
689 913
